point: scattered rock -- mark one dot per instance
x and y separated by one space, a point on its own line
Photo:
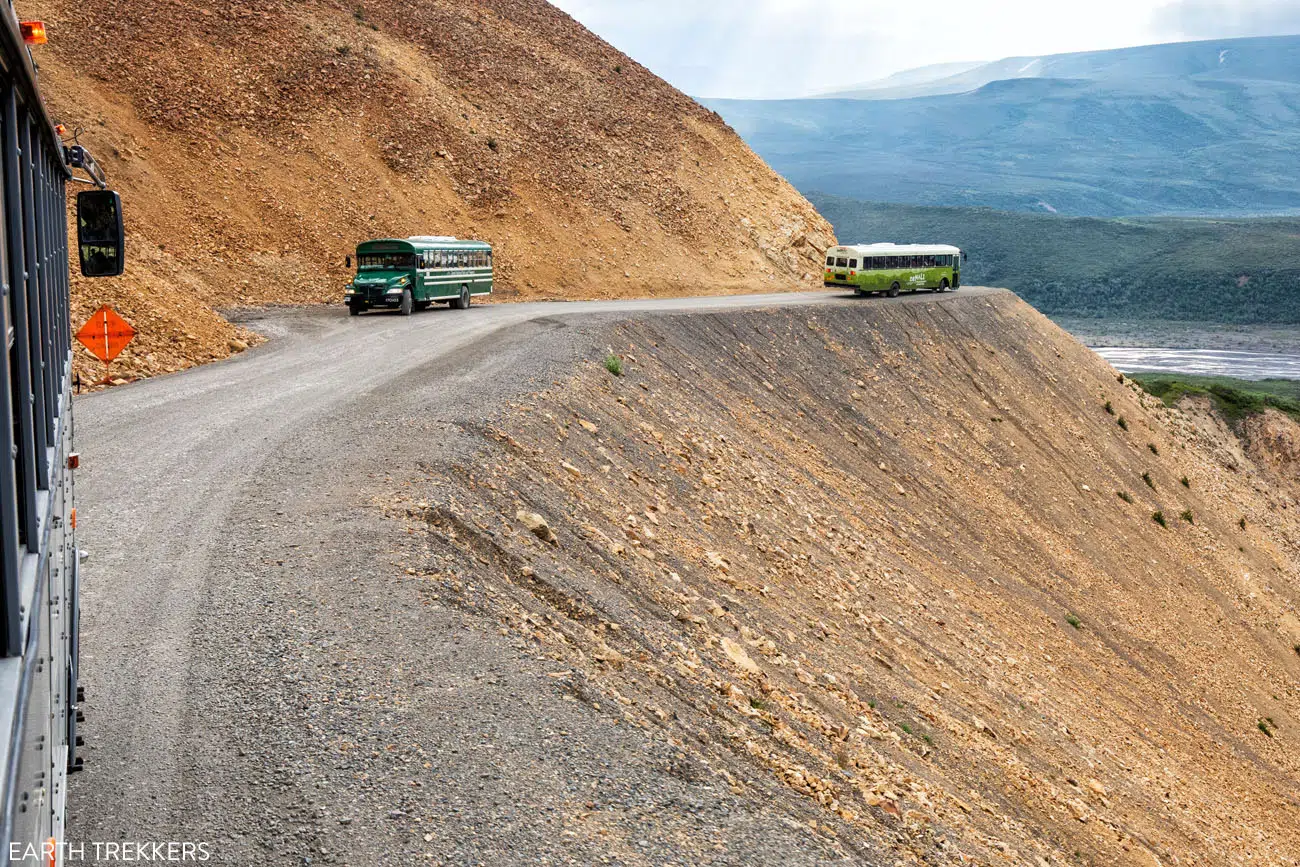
537 525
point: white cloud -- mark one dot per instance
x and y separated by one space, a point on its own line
1213 19
776 48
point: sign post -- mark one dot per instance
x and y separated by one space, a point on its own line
106 334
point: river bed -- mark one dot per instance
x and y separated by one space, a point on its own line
1211 362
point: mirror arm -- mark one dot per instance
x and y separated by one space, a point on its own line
78 157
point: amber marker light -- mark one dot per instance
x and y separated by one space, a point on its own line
60 130
33 32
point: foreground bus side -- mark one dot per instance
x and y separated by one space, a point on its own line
39 563
39 607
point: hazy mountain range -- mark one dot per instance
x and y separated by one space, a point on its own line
1208 128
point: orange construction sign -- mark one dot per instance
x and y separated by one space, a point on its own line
106 334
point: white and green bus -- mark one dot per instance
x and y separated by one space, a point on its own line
871 269
412 273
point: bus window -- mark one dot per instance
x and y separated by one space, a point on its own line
853 263
830 261
842 262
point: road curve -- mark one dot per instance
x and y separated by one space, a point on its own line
238 560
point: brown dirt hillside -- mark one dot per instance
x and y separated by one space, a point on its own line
257 141
871 565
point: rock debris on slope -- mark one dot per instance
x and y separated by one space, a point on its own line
878 565
257 143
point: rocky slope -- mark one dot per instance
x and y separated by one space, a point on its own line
256 142
931 579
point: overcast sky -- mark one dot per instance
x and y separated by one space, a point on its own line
776 48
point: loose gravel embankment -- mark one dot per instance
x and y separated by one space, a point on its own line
810 597
869 567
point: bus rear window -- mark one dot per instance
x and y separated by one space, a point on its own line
842 262
386 260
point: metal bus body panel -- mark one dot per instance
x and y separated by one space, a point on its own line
376 286
38 557
866 278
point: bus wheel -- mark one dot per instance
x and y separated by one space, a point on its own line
407 303
894 290
465 299
354 309
943 285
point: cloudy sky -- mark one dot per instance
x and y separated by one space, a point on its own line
775 48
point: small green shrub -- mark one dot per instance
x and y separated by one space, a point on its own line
905 727
1154 450
1186 515
1123 423
619 69
1146 477
491 143
614 364
1074 620
758 703
1266 727
1186 482
1110 410
1125 496
1242 523
1159 518
1296 649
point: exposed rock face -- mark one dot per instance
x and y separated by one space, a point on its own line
256 143
1273 442
871 568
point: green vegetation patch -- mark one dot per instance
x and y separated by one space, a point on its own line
1234 399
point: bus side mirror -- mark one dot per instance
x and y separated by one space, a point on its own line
964 256
101 239
348 261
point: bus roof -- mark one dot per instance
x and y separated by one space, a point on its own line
898 249
419 242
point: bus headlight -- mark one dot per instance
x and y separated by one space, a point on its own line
396 290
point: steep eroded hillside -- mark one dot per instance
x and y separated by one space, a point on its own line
931 577
257 142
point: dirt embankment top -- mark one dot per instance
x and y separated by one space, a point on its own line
257 143
930 578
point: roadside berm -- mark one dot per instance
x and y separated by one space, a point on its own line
900 572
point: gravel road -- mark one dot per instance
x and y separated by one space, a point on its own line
260 677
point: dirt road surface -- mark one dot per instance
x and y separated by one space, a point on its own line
258 677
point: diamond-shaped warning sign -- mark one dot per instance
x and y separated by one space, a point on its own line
106 334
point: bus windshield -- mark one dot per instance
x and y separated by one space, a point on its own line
389 261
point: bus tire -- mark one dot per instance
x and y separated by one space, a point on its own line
354 309
894 290
943 285
408 304
465 299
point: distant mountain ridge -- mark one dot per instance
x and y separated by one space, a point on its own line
1269 58
1205 128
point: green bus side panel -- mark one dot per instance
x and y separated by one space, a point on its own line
880 281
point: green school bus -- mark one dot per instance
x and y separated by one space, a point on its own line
412 273
871 269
